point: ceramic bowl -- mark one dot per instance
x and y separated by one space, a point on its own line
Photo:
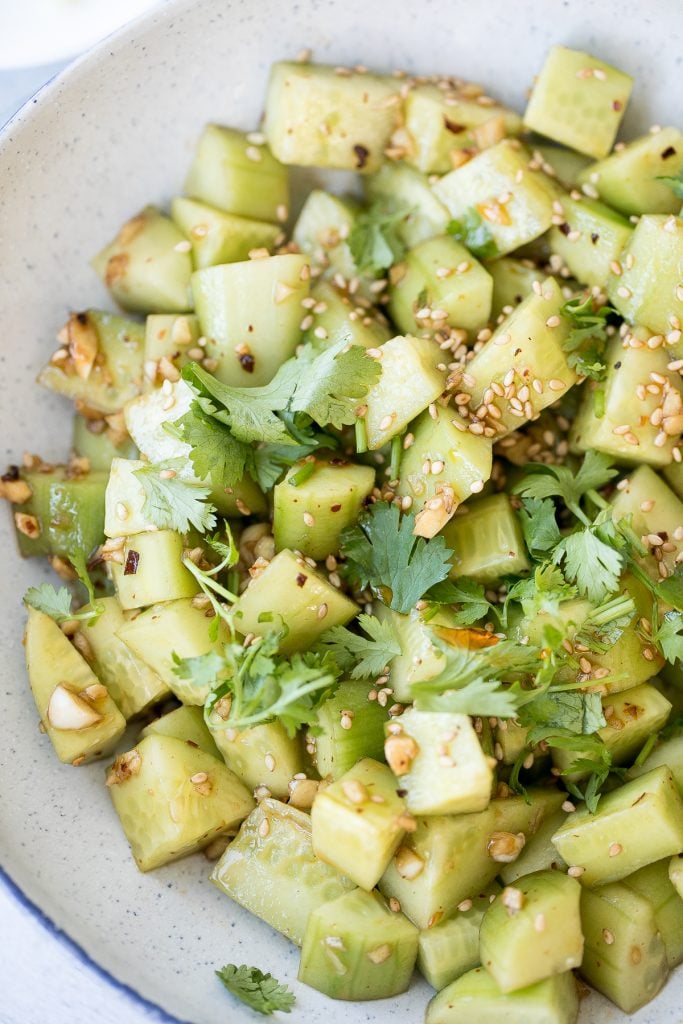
112 133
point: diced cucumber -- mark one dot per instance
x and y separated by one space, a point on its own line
561 163
219 237
103 365
420 659
624 955
133 685
238 174
76 711
632 716
175 627
173 799
475 996
590 240
152 570
654 884
338 316
410 381
527 347
645 489
538 853
144 268
532 931
251 314
440 277
356 948
439 762
667 752
676 873
185 723
627 178
64 514
636 824
316 117
358 822
441 468
648 291
450 858
310 516
578 100
264 755
511 738
271 870
402 187
338 747
125 500
450 948
486 540
440 125
513 280
322 230
288 591
515 203
170 338
94 441
628 378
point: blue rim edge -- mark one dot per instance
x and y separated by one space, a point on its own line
155 1012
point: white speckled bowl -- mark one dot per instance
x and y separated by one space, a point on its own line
112 133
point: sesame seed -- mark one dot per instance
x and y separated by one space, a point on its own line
477 487
183 246
322 611
264 828
394 905
552 321
575 871
354 791
269 762
386 421
502 339
615 849
465 906
539 923
647 506
568 806
624 292
556 385
607 936
253 153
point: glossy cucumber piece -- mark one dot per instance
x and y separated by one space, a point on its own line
94 441
667 752
219 237
80 718
420 658
573 105
560 162
264 755
337 748
124 500
451 948
152 570
654 884
424 299
476 997
143 267
185 723
168 340
357 948
404 188
289 591
315 117
645 489
527 209
100 363
322 231
64 513
272 871
627 179
513 280
648 291
590 239
239 175
409 383
538 853
340 316
251 313
676 873
173 799
486 539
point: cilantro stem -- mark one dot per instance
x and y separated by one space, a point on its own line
646 749
361 436
608 612
302 474
396 456
597 499
204 580
233 580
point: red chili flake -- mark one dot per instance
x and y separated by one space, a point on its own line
247 362
594 237
335 508
11 475
564 228
453 126
617 105
669 151
362 155
82 318
301 579
132 562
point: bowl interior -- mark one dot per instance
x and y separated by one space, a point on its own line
114 132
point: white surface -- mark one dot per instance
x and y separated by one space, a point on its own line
116 132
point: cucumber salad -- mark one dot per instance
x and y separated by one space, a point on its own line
372 540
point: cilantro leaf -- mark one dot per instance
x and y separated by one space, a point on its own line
539 526
375 241
202 670
589 562
668 636
272 460
543 481
572 710
172 503
542 594
215 453
675 184
262 992
79 563
469 595
670 590
484 697
474 234
331 385
365 656
603 625
585 343
55 603
382 552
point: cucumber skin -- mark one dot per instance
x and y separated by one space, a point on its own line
476 997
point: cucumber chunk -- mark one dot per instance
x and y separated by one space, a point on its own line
565 165
133 685
513 280
99 444
578 100
64 514
124 500
76 711
185 723
316 117
590 239
442 467
665 513
219 237
627 178
538 853
476 996
676 873
322 230
648 291
146 418
168 340
288 591
271 870
333 496
486 539
340 316
532 931
175 627
238 174
143 267
667 752
451 948
103 365
152 570
401 187
358 822
336 748
410 381
636 824
421 293
251 314
654 884
264 755
480 184
439 762
173 799
624 955
420 658
356 948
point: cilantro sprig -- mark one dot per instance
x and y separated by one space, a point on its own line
375 240
364 655
173 503
262 992
473 232
56 603
585 343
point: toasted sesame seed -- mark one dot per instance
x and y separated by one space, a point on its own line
552 321
322 611
607 936
575 871
615 849
556 385
354 791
